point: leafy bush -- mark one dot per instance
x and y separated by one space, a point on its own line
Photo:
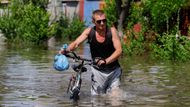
34 24
134 46
63 23
8 25
171 47
27 23
162 14
70 29
110 11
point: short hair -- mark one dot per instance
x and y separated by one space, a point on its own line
97 12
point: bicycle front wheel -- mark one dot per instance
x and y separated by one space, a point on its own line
75 94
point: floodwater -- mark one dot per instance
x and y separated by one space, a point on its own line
27 79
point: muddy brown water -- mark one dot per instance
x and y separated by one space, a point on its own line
27 79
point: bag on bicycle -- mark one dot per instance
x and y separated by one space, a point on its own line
61 62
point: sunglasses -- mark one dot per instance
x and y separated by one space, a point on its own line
99 21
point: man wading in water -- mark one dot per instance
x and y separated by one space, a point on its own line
105 44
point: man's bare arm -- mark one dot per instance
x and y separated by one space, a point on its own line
117 45
73 45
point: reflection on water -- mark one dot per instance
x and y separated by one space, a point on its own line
27 79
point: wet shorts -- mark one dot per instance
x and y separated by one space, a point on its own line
103 82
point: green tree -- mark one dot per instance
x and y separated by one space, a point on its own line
117 18
162 14
40 3
25 22
123 7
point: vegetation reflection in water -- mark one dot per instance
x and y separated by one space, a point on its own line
28 79
161 83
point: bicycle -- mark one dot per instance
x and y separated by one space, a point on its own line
75 80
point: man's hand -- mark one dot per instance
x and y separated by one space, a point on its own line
100 61
62 52
64 49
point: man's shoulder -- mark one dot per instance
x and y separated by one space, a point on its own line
113 28
87 30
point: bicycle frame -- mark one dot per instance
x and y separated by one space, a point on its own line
75 82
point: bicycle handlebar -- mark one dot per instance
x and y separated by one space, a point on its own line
75 56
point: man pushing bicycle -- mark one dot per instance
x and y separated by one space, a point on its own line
104 44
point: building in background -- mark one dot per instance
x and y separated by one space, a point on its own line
89 6
3 3
70 8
